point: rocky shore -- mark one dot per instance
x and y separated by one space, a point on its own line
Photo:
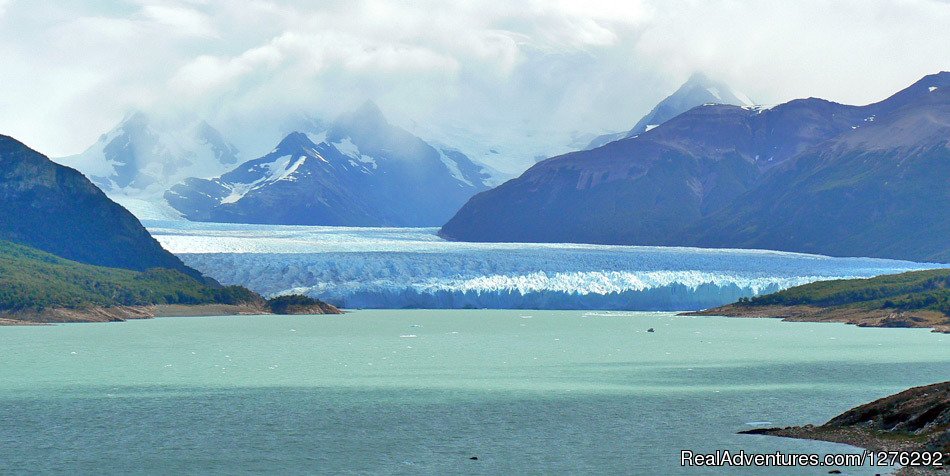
917 419
124 313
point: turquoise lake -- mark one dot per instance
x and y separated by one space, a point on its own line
420 392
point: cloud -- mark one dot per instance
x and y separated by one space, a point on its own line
182 20
518 77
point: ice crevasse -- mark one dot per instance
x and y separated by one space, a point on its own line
412 268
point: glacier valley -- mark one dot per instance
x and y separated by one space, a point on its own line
413 268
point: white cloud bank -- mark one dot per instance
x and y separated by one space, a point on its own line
514 77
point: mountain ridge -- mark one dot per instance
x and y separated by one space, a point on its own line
138 158
58 210
658 187
696 91
360 171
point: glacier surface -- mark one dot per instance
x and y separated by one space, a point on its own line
414 268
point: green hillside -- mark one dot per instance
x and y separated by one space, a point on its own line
927 290
31 279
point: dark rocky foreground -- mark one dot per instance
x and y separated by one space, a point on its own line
917 419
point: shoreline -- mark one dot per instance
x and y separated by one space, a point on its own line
935 321
859 438
125 313
857 317
914 420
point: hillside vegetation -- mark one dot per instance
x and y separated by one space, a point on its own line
31 279
927 290
912 299
56 209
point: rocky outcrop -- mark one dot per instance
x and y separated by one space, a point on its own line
299 304
917 419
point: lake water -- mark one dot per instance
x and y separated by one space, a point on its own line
422 391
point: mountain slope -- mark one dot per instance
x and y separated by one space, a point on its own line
642 189
696 91
31 279
361 171
808 175
36 286
139 159
56 209
881 190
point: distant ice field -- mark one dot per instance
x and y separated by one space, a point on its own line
413 268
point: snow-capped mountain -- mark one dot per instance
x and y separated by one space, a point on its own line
137 161
697 91
360 171
809 175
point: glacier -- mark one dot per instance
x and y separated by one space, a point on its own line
413 268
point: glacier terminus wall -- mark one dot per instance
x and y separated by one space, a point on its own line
413 268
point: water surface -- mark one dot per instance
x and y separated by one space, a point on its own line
422 391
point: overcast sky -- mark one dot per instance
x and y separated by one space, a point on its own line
488 71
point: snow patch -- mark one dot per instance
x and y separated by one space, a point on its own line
453 168
238 191
349 149
746 102
281 168
288 174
